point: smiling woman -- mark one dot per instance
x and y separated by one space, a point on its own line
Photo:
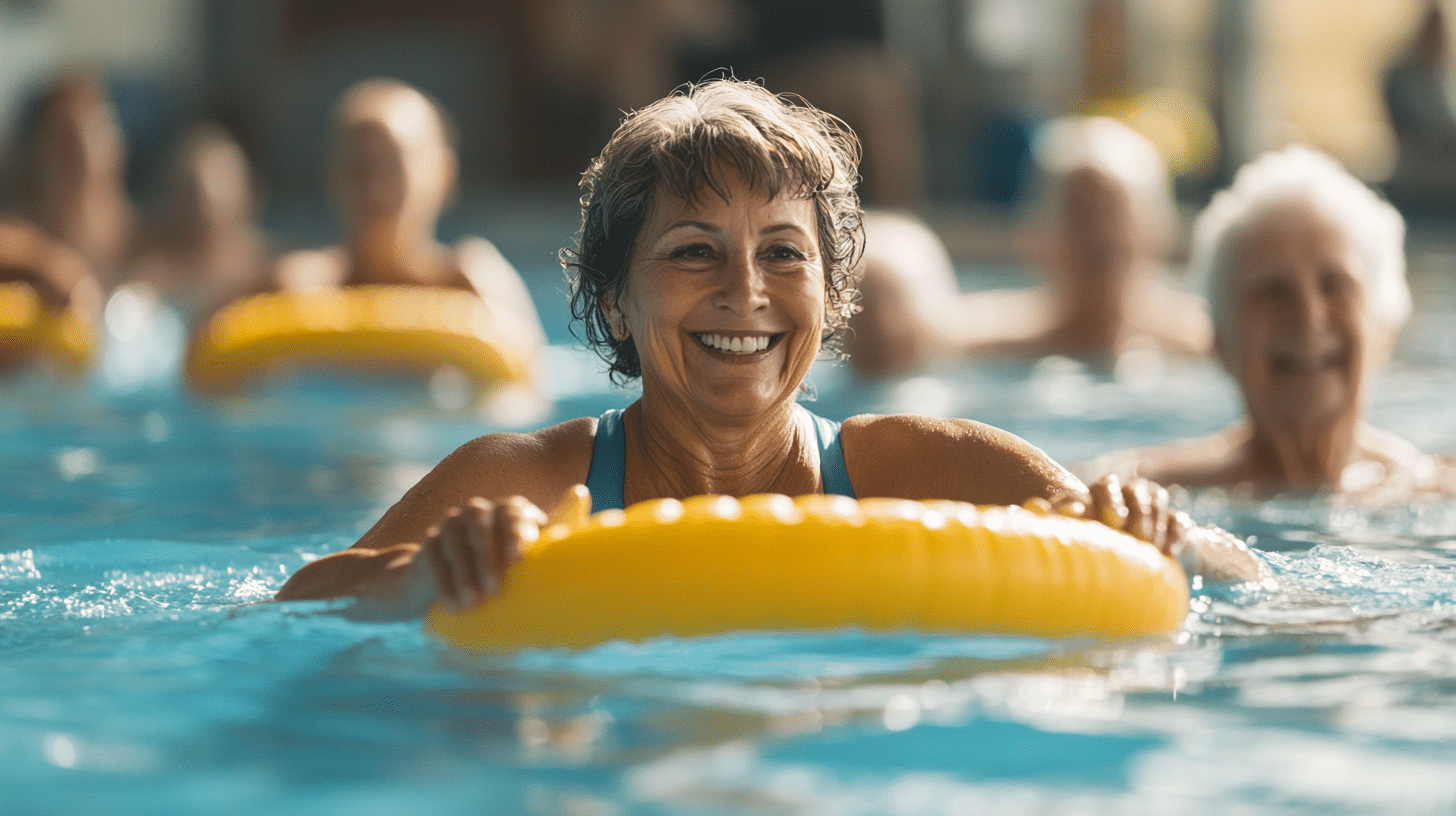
719 228
1305 272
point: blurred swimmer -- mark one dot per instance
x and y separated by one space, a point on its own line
395 170
1305 273
207 248
57 275
76 188
1104 222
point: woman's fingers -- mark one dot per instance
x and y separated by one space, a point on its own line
453 551
518 523
1108 505
472 549
1147 511
1072 503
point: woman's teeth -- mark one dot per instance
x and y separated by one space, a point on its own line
735 345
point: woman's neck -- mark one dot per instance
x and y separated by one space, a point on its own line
393 254
1098 321
675 451
1315 455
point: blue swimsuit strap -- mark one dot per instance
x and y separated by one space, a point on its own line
832 469
608 472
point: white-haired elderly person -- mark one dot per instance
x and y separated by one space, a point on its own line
1100 225
1305 274
719 229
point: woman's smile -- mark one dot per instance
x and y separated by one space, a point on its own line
737 345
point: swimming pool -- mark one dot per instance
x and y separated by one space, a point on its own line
138 526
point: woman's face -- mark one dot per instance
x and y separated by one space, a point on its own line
725 299
1304 333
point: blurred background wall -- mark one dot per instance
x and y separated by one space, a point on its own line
947 93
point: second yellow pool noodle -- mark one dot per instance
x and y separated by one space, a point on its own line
368 327
62 334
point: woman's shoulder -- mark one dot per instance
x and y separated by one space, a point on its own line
919 457
539 465
562 441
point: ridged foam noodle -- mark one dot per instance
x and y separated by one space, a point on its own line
715 564
378 328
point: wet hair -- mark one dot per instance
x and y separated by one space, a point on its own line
1303 175
1072 144
679 147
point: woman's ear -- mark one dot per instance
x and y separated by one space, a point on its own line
615 319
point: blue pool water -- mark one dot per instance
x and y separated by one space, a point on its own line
139 674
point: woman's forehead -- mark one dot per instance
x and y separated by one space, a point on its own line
666 207
1291 226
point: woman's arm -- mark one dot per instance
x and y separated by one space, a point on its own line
444 539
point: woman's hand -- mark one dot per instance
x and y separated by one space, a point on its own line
1141 509
468 554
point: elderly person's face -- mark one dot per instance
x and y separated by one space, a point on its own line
393 160
724 299
1305 336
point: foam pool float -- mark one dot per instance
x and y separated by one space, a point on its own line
379 328
27 324
715 564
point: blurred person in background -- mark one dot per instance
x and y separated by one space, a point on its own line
395 170
1103 222
205 249
832 53
1305 274
1420 98
591 62
73 176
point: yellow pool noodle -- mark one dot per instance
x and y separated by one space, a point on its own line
62 335
715 564
378 327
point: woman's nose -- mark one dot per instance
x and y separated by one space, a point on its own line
741 286
1311 312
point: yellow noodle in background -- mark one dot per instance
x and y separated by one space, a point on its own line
380 328
715 564
62 335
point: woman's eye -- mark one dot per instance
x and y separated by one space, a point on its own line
786 253
693 251
1269 289
1336 283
